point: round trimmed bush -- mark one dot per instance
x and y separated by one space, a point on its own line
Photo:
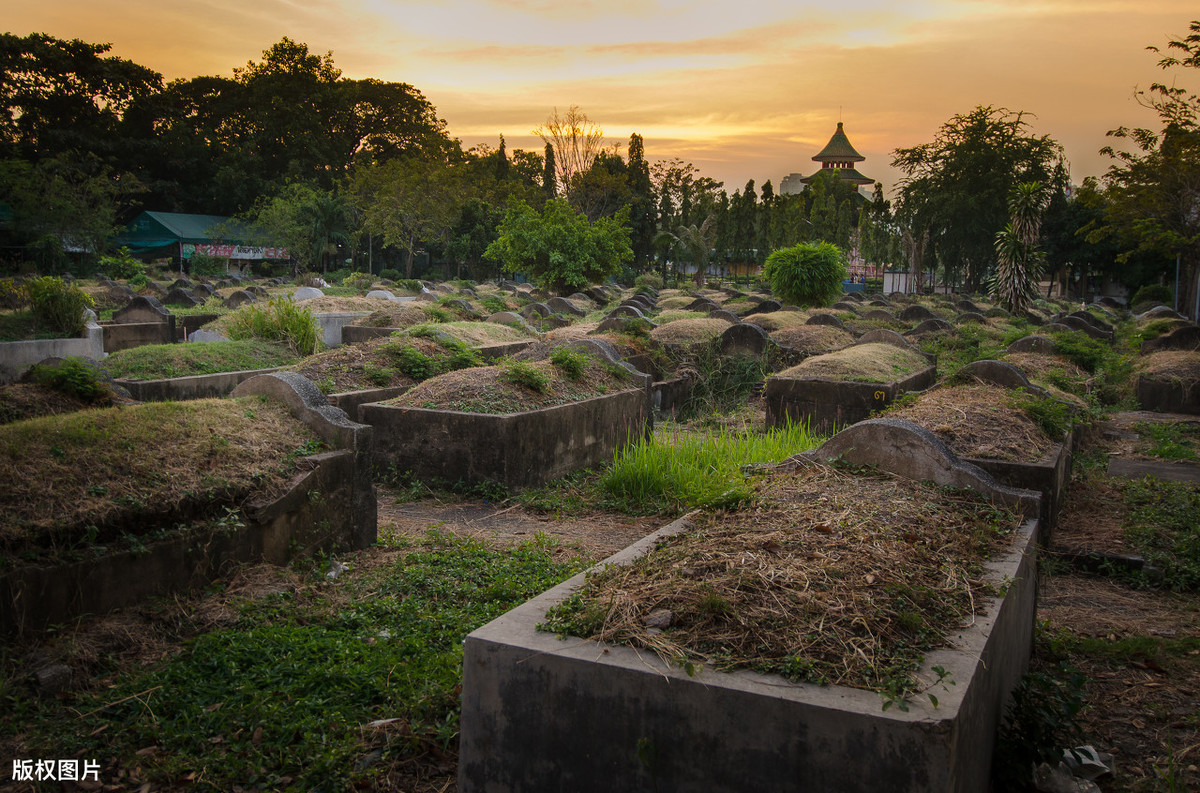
808 274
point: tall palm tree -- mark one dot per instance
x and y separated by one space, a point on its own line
1018 257
695 242
327 218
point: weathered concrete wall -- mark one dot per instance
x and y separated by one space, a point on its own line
123 336
350 400
1168 396
827 405
186 324
669 394
331 324
354 334
517 449
17 356
199 386
540 713
1048 476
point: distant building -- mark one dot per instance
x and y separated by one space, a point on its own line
838 156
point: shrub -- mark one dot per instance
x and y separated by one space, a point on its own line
14 294
360 281
308 279
494 304
411 284
122 265
59 306
203 264
74 377
571 363
1153 293
280 320
390 274
524 374
652 280
809 274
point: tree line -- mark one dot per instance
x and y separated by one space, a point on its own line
337 168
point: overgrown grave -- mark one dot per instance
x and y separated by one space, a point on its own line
1169 381
671 671
120 504
517 423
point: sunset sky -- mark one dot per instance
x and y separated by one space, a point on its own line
745 89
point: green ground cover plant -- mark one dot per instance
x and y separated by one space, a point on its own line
1163 526
1171 441
156 361
279 320
316 688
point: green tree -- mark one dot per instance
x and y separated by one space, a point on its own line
1018 255
602 189
695 243
642 220
809 274
559 247
956 187
576 140
477 227
1153 191
309 222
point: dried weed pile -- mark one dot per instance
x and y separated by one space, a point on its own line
99 474
333 305
779 320
831 577
872 363
517 386
978 421
689 331
394 315
20 401
1172 365
474 334
816 339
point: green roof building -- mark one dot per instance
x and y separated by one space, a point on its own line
838 157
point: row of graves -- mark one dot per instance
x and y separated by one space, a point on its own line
857 626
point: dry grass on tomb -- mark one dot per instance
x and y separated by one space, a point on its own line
394 315
340 305
779 320
110 468
480 334
506 388
872 363
689 331
378 363
1172 365
830 577
813 338
20 401
579 331
978 421
675 303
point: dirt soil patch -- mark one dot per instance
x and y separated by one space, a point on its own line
873 363
978 421
815 339
832 577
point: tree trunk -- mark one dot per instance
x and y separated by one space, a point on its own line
408 258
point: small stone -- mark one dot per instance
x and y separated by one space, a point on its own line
53 678
659 618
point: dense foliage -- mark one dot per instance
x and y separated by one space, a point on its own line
809 274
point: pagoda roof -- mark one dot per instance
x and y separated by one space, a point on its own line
849 174
838 149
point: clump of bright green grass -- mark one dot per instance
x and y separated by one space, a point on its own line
280 320
673 472
155 361
281 699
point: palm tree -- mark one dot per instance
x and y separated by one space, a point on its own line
327 219
696 243
1019 259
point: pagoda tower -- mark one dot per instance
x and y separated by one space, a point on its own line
839 157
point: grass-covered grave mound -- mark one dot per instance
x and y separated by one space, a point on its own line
867 363
987 421
689 331
158 361
79 480
386 362
813 339
778 320
517 386
394 315
472 334
827 576
1172 365
20 401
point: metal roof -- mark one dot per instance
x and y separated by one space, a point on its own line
838 149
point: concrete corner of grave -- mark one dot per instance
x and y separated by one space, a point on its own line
306 402
17 356
544 712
